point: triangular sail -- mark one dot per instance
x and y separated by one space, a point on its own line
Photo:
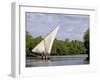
45 45
39 48
48 41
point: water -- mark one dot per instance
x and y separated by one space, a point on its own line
57 61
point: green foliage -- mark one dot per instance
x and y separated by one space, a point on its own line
31 43
68 47
86 39
60 47
87 43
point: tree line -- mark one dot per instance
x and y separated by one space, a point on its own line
60 47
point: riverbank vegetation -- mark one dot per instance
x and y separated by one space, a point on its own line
60 47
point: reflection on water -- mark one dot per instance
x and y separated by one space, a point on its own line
57 61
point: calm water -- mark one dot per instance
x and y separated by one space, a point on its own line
57 61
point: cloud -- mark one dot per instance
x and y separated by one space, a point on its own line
72 26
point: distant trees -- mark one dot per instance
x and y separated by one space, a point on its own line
31 43
87 43
60 47
68 47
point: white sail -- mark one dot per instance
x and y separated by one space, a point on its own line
48 41
39 48
45 45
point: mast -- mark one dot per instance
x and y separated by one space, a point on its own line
46 44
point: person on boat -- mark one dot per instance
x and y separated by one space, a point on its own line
45 56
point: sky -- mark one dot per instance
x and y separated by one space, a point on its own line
72 26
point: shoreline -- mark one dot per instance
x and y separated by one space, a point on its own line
65 56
